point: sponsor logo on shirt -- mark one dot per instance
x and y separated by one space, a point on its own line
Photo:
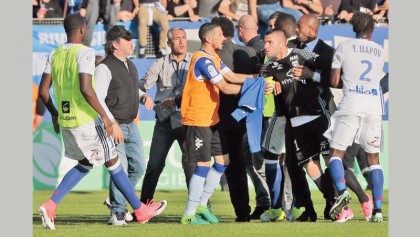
360 90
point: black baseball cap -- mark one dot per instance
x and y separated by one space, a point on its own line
119 31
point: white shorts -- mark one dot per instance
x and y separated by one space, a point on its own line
363 129
274 139
89 141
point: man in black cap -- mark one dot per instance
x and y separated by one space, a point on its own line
116 81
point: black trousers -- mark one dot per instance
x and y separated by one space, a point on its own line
236 172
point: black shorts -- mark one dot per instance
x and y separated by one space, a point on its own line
310 140
204 142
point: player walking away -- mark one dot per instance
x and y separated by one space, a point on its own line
86 129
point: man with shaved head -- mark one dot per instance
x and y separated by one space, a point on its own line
307 38
319 72
247 29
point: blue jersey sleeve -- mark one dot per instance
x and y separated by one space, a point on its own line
205 69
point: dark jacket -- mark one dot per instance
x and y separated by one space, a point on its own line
123 94
322 65
240 59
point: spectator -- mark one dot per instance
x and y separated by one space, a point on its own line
239 7
299 7
273 17
93 11
226 10
349 7
331 8
127 11
182 8
71 6
151 11
208 8
42 9
381 10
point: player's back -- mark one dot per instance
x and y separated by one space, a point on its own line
362 62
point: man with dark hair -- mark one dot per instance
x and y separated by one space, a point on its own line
358 67
116 79
299 101
86 128
199 109
169 74
241 59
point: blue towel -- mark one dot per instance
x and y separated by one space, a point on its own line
251 105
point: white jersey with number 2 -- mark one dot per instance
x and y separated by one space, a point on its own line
362 62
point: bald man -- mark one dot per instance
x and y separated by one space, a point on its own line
247 29
307 37
247 32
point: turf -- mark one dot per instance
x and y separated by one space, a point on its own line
83 214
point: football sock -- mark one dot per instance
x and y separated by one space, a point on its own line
212 180
123 184
377 176
196 189
70 180
273 175
337 174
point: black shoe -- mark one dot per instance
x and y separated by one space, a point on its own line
141 55
243 219
327 211
307 217
257 212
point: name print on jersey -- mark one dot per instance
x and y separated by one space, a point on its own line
367 50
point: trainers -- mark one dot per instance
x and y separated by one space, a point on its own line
345 214
294 214
117 219
149 210
47 212
258 211
367 208
206 213
341 201
194 220
273 215
128 215
377 217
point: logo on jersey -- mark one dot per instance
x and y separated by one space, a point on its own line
360 90
207 62
277 66
198 143
212 70
65 106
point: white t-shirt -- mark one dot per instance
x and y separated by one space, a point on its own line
85 60
362 63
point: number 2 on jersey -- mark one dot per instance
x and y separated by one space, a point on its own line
369 67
